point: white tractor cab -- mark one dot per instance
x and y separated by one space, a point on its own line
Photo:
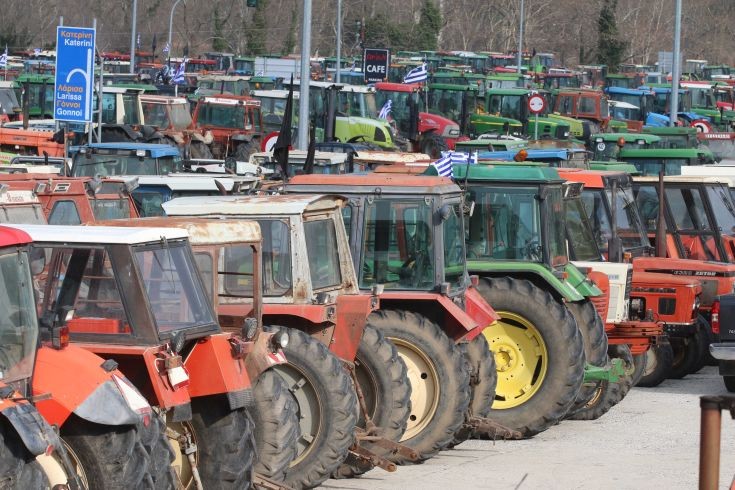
23 164
324 162
166 112
121 105
18 206
723 173
623 111
151 191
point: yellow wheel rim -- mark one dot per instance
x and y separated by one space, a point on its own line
425 388
176 433
521 359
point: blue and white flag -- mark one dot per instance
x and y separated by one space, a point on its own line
138 41
418 74
36 51
444 165
166 48
4 58
178 78
353 67
385 111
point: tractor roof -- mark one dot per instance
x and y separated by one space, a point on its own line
98 235
507 174
373 183
163 99
508 91
191 182
155 150
688 179
661 153
284 205
628 137
594 179
201 231
12 236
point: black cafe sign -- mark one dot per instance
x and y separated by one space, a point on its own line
375 64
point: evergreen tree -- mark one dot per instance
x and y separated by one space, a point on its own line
257 31
426 33
610 48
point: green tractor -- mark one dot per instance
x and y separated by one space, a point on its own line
36 95
454 102
550 346
506 112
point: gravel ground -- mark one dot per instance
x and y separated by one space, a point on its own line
649 440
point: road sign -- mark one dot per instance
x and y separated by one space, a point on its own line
536 104
375 64
74 74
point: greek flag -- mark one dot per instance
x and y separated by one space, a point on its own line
385 111
36 51
4 58
178 78
167 48
444 165
418 74
138 41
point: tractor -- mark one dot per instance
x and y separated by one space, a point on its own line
234 122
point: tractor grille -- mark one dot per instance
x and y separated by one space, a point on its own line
628 284
601 304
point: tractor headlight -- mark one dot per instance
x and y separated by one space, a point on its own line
280 340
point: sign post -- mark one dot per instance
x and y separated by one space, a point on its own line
536 104
375 63
75 48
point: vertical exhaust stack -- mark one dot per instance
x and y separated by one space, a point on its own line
661 221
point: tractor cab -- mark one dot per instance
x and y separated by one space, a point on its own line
454 102
234 121
651 161
112 159
607 146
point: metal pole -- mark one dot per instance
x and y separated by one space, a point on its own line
303 134
535 129
339 40
709 443
675 66
520 41
90 123
133 22
171 28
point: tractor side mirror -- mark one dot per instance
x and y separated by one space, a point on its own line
38 260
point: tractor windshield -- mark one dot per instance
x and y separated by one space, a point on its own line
31 214
172 286
446 103
556 228
399 112
693 227
652 166
277 270
104 209
229 116
506 224
398 246
702 97
454 247
506 106
107 163
722 208
581 239
18 322
165 116
358 104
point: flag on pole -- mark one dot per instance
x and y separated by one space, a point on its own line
418 74
36 51
166 48
385 111
178 78
4 58
138 41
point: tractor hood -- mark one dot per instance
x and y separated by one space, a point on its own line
355 128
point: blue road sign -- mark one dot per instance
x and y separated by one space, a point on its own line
74 74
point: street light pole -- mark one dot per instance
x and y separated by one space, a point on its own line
303 143
339 40
134 21
171 26
675 67
520 42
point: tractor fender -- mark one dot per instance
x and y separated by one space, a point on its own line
536 273
215 370
78 384
352 313
36 434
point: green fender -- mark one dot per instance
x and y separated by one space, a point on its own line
563 287
578 280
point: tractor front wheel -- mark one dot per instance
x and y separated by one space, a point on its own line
327 408
276 425
483 380
433 145
688 353
539 355
440 383
659 358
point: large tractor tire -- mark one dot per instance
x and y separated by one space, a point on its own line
327 408
276 423
640 362
198 150
106 456
594 337
609 394
160 453
706 338
383 379
483 380
539 355
18 469
440 382
244 150
658 364
688 353
433 145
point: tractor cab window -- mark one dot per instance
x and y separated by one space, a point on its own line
29 214
587 105
223 116
581 238
506 224
629 226
236 271
277 271
695 232
104 209
652 166
556 227
64 213
323 253
594 205
18 323
647 202
398 245
454 246
156 115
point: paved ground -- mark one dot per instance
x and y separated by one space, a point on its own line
649 440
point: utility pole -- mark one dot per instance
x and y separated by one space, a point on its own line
676 67
303 143
339 40
171 27
133 26
520 41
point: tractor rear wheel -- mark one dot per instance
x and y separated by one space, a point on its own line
327 408
106 456
276 423
433 145
440 383
160 452
688 353
199 150
483 380
609 394
18 469
595 349
539 355
385 387
244 150
640 367
706 338
659 358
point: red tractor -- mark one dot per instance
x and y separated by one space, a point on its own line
423 132
235 123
